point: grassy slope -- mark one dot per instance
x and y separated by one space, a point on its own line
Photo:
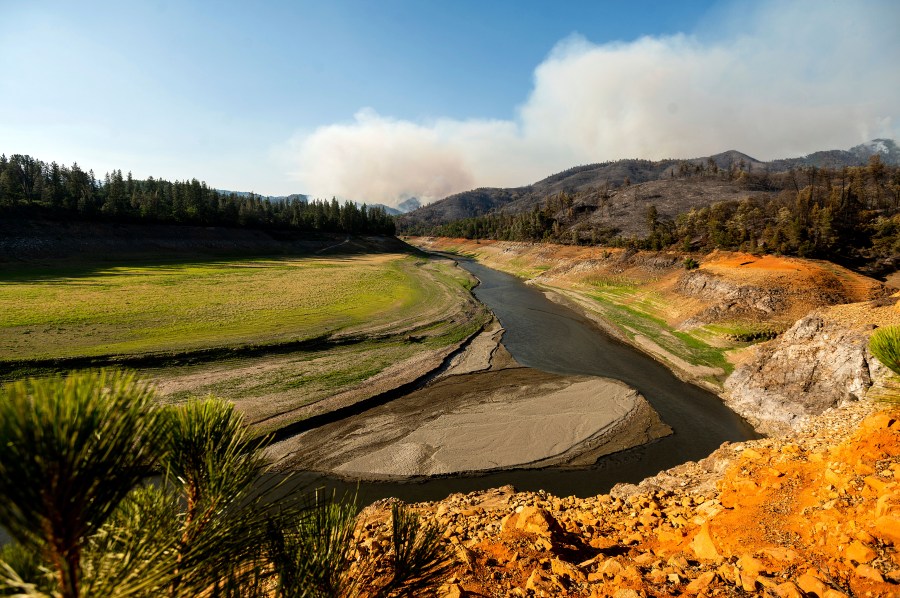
639 312
69 312
380 310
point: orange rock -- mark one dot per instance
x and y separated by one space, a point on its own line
667 536
657 576
645 559
888 529
538 581
729 573
678 562
869 572
776 473
751 565
701 583
782 555
748 581
751 454
811 584
877 484
532 520
787 590
703 545
864 469
887 504
833 478
610 568
632 574
877 421
564 569
859 552
648 519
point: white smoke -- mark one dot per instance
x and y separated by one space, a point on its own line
781 80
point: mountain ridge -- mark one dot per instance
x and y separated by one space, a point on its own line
602 178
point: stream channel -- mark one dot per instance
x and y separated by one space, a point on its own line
547 336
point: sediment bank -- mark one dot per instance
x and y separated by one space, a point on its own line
484 413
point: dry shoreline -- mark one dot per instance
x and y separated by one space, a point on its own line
485 413
684 371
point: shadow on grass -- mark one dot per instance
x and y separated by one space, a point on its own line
96 263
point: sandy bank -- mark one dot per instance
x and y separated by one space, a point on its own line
514 417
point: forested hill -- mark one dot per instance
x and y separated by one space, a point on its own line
850 214
594 182
30 188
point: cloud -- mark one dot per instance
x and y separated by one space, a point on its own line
775 80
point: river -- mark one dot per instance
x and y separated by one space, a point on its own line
547 336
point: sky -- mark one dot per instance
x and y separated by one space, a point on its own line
382 101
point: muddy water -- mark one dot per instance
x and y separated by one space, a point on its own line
550 337
544 335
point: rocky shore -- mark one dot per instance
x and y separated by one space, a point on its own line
821 316
812 510
812 513
820 362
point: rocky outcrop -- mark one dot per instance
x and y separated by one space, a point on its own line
819 363
816 513
730 299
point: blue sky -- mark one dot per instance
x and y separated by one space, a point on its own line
384 100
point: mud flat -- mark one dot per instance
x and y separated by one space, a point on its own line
485 413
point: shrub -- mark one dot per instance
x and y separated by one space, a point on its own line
73 448
885 345
74 493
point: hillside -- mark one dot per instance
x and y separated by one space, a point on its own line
810 207
814 513
708 324
596 182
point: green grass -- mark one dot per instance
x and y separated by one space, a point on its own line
632 310
278 383
60 312
524 269
378 311
742 332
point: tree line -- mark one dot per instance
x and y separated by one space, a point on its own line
851 213
31 188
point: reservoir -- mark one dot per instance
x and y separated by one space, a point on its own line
547 336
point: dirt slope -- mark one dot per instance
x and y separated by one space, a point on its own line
700 322
816 513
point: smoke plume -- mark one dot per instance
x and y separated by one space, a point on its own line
776 80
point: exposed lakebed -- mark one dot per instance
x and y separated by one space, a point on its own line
545 336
